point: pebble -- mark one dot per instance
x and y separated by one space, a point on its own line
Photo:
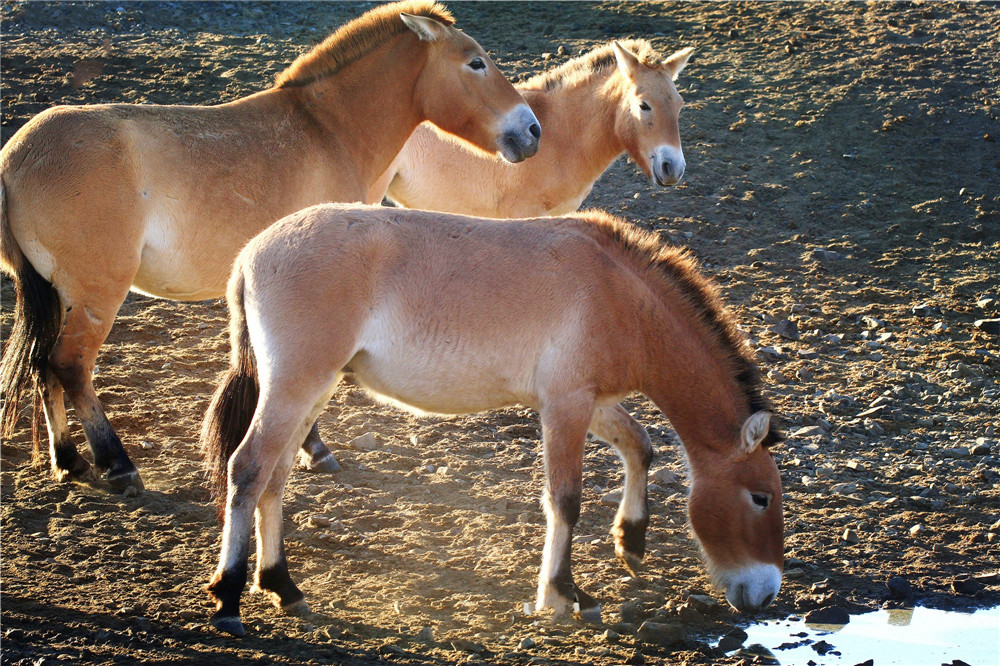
991 326
958 452
924 310
786 328
850 536
464 645
966 585
733 640
146 445
899 588
664 477
610 636
426 635
828 615
365 442
821 254
657 633
981 448
808 431
318 521
612 499
526 643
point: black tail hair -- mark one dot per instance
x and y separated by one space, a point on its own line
38 318
235 401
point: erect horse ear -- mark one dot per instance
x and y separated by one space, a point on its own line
676 63
628 62
753 432
427 29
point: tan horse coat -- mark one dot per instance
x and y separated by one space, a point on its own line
592 111
98 200
453 314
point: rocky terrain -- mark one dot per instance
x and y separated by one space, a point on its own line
842 188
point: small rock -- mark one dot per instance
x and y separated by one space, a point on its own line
916 529
850 536
318 521
733 640
612 499
924 310
703 603
786 328
958 452
965 585
426 635
664 477
808 431
981 449
821 254
146 445
665 635
526 643
828 615
871 322
899 588
610 636
991 326
463 645
365 442
987 302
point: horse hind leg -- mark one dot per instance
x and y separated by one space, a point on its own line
615 426
72 362
314 455
564 430
67 463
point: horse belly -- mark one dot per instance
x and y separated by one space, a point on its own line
443 381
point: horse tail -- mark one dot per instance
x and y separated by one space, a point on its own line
38 316
235 401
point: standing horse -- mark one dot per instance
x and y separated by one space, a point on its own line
99 199
454 314
617 98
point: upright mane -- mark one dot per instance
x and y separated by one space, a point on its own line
678 268
356 39
594 62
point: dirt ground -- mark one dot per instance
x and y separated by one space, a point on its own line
843 173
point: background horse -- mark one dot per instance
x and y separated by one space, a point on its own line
97 200
617 98
453 314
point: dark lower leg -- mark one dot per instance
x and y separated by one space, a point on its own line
316 456
67 463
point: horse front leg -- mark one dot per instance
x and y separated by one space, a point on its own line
564 431
629 439
315 456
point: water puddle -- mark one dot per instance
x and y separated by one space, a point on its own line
899 637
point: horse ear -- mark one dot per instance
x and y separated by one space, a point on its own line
628 62
676 63
754 431
427 29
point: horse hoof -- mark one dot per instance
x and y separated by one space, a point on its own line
229 624
297 608
631 562
80 471
591 615
121 481
324 465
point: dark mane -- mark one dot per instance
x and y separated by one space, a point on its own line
678 267
356 39
593 62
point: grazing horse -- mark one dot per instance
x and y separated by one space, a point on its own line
617 98
98 200
453 314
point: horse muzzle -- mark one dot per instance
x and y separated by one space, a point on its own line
667 165
753 588
519 134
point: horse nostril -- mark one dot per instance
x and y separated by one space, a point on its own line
665 167
767 601
535 130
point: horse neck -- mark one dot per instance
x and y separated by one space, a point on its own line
690 378
369 107
579 122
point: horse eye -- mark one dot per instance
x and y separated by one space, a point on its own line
477 64
760 499
644 106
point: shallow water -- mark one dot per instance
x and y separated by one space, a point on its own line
900 637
